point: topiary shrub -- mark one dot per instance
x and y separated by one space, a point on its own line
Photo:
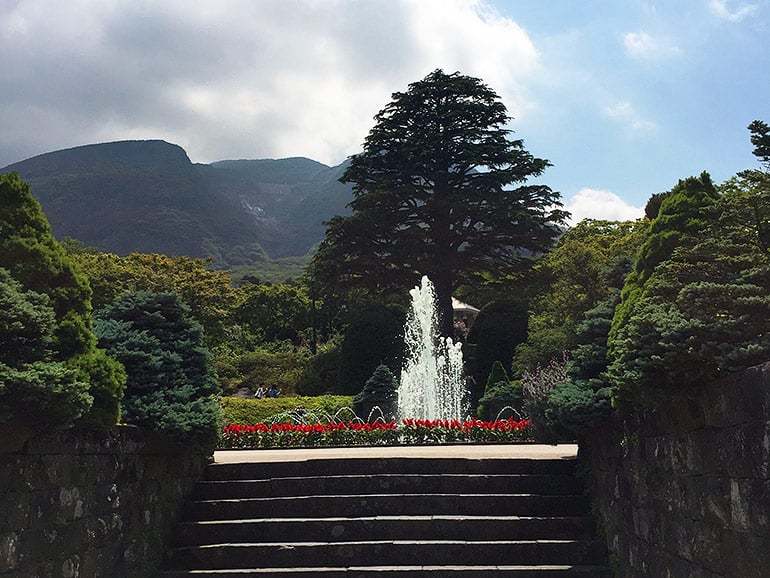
497 397
379 392
374 337
38 262
171 382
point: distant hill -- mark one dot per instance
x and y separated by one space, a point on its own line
147 196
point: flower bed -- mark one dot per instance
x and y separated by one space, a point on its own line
408 432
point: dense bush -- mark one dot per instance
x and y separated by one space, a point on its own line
207 292
278 364
29 252
320 374
374 336
499 328
499 393
380 392
700 302
171 382
33 387
277 312
574 274
252 411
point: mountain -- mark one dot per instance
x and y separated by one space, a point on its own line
147 196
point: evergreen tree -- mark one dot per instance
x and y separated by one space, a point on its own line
499 393
30 253
687 211
760 138
171 382
378 392
432 196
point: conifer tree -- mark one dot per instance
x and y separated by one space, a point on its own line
439 189
38 262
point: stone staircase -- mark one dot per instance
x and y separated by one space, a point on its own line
389 517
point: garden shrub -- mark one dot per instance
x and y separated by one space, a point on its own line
278 364
34 387
498 396
573 407
171 382
320 375
380 392
251 411
38 262
374 336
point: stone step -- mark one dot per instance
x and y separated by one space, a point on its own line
346 554
370 466
383 528
550 571
388 483
388 505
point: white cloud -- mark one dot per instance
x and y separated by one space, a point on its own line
238 78
643 46
590 203
624 113
722 9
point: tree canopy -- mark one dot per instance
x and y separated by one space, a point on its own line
440 189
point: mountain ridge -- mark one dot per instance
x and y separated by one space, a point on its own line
148 196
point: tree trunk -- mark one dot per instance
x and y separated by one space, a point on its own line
446 326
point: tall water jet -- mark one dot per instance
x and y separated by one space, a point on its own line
432 384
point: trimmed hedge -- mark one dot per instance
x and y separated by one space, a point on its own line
250 411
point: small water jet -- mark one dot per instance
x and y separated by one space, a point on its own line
432 384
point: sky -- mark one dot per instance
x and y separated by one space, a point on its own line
624 97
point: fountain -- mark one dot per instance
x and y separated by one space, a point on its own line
432 385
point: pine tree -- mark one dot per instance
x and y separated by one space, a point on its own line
171 381
433 196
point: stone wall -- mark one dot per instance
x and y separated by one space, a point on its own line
683 491
90 504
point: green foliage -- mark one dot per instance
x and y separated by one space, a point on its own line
760 138
278 312
421 204
374 336
573 407
499 328
281 365
208 293
499 395
578 273
497 374
378 392
320 376
248 411
89 383
34 388
702 311
652 208
171 382
687 210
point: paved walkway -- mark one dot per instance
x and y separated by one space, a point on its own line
528 451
